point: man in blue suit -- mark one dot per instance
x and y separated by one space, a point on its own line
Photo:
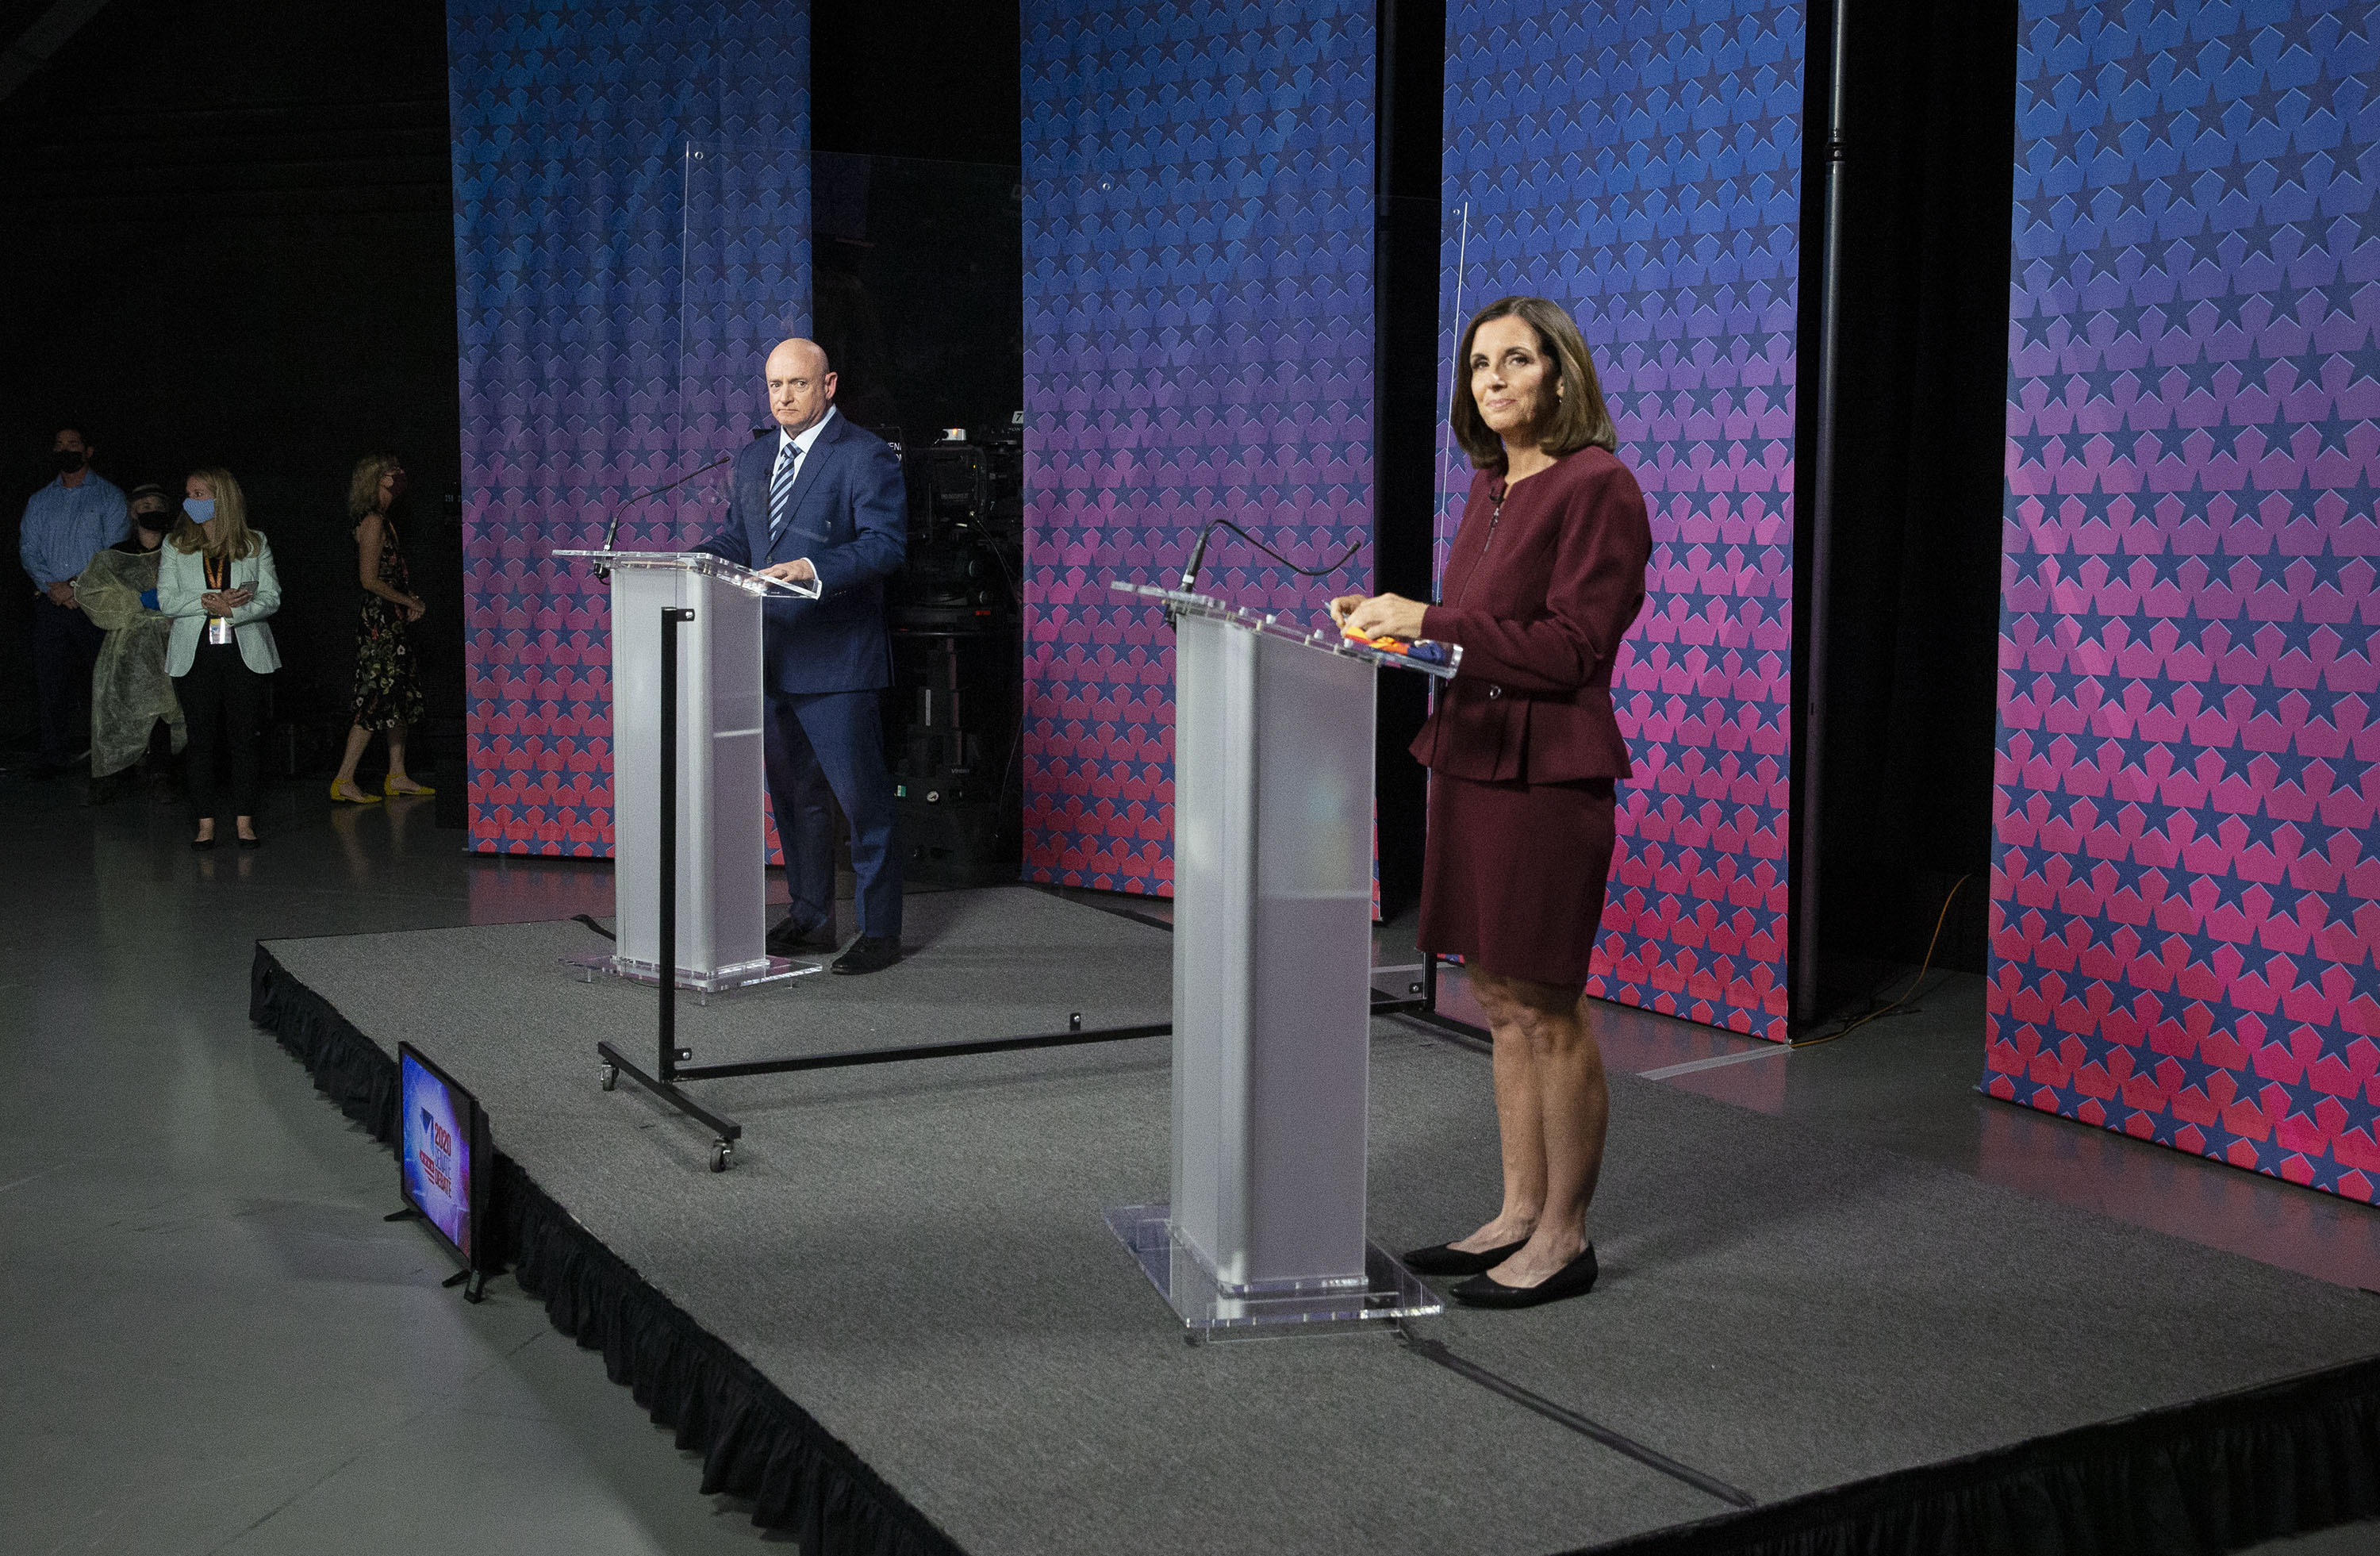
824 500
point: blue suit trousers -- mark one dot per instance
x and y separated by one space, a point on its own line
819 742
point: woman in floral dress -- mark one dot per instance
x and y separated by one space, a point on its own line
387 694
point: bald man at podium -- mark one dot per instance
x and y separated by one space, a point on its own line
823 499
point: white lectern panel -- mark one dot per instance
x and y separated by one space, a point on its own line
721 894
1272 953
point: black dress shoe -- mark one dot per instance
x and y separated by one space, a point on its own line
867 953
1574 1279
786 937
1444 1258
252 842
202 844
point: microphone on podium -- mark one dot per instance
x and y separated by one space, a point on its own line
611 530
1199 556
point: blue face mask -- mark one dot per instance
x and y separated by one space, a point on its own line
200 509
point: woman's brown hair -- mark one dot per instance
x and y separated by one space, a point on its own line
1579 417
232 536
363 491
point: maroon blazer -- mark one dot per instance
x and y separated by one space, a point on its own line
1539 598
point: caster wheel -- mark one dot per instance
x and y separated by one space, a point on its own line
719 1152
611 1077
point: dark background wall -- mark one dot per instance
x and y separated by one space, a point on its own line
1913 584
916 266
1410 98
231 241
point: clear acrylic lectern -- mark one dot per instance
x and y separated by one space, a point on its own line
1272 941
723 844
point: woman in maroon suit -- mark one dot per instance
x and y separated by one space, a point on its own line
1547 573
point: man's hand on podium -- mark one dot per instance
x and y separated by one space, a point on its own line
796 571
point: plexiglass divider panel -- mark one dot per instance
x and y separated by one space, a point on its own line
907 272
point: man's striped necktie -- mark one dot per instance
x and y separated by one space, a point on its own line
781 491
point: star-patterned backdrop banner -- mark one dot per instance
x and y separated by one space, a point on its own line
1197 345
2186 890
1639 164
631 230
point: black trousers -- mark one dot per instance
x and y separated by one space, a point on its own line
222 699
66 647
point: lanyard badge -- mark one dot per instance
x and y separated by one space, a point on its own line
218 579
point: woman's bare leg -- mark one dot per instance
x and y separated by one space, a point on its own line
1520 1123
344 784
1574 1104
396 759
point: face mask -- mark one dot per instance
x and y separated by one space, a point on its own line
68 460
152 520
200 509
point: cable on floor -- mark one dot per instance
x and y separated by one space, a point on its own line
1939 920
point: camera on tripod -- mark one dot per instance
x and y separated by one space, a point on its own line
955 609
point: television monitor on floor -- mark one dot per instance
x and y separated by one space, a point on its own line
444 1164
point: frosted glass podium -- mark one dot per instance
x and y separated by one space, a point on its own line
721 844
1272 1001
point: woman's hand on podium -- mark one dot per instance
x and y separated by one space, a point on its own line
1382 615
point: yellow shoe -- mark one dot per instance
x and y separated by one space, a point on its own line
419 790
361 795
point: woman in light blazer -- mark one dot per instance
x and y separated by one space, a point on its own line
215 578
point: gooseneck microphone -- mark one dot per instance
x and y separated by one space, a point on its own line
1199 556
611 530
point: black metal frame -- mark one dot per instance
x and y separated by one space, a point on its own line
1424 1008
673 1064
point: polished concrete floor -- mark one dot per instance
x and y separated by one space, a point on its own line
211 1341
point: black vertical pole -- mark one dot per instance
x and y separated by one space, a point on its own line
671 616
1810 756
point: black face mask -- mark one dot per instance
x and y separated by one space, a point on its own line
68 460
155 523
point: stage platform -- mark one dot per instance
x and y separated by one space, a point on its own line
899 1323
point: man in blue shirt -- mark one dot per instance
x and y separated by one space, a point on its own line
66 523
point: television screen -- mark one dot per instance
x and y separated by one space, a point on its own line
438 1152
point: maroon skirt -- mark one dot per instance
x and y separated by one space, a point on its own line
1512 875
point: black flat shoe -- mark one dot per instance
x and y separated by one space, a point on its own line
1574 1279
251 842
202 844
786 937
867 953
1444 1258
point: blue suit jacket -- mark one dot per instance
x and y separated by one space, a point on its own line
850 518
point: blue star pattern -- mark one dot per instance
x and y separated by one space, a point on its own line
1198 344
629 234
1640 163
2187 604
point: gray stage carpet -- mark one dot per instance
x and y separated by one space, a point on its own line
914 1254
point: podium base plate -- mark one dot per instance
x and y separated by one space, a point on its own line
1388 1293
771 970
